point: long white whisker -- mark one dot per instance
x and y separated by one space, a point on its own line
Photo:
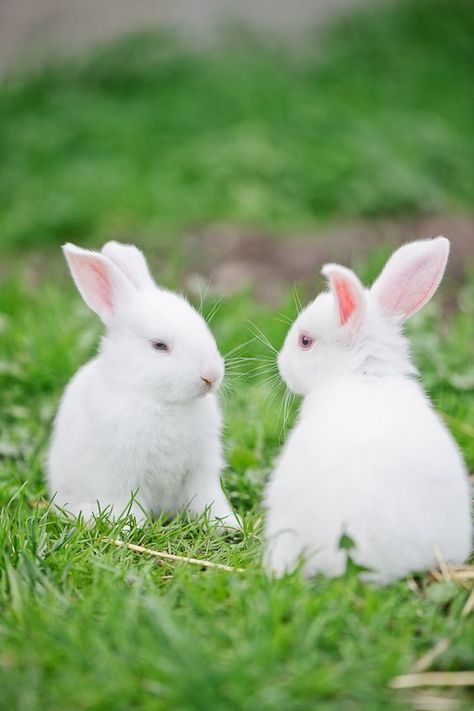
296 298
239 361
281 409
202 296
286 412
214 310
262 337
283 318
274 390
262 369
241 345
269 379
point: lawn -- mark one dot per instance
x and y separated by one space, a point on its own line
142 139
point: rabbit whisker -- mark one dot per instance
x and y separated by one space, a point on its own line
259 334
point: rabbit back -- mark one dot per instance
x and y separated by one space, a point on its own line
369 458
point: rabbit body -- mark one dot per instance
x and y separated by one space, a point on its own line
142 418
110 443
344 471
369 457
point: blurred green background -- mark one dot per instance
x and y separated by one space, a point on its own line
240 165
147 137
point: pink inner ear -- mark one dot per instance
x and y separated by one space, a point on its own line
346 298
102 285
410 288
94 283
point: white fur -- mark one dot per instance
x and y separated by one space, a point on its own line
135 420
369 456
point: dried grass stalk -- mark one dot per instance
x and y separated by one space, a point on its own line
411 681
177 558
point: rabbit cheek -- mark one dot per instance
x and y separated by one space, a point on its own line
290 371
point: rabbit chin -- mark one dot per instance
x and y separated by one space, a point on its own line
292 376
302 375
191 392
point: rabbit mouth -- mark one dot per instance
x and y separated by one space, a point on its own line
206 388
209 383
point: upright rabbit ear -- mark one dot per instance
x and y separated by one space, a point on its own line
411 277
131 261
349 294
101 284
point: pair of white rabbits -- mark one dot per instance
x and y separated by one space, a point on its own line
368 456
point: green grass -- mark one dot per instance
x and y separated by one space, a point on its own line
144 140
85 625
375 118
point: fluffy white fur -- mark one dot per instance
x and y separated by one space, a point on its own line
136 420
369 456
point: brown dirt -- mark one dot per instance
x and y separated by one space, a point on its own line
34 30
233 258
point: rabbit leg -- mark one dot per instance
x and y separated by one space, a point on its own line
213 500
282 554
203 492
87 509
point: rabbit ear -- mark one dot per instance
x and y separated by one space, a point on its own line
411 277
131 261
101 284
349 293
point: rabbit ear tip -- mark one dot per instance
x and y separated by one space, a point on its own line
440 239
71 248
328 269
332 268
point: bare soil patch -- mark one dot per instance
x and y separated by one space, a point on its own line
233 258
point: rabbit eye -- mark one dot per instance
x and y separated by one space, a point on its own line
159 346
305 341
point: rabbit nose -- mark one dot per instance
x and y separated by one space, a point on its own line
211 375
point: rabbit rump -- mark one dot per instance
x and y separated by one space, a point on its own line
142 417
368 457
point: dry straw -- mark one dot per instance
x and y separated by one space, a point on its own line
177 558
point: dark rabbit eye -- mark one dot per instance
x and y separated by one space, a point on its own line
159 346
305 341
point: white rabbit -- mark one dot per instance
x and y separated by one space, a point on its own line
368 456
142 416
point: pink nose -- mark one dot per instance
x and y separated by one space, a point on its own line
208 379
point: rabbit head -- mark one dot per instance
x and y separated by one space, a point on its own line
350 329
155 341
